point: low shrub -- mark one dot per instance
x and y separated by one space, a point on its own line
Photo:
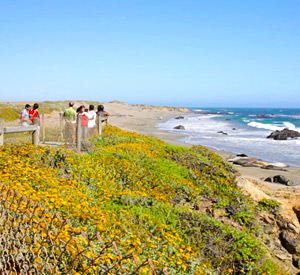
269 205
139 192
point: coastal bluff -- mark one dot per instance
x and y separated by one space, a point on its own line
217 206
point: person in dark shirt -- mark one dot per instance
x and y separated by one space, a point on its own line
101 112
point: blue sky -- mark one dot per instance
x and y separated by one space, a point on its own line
178 53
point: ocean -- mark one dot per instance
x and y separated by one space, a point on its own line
246 128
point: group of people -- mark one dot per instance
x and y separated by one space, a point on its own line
28 114
88 116
88 120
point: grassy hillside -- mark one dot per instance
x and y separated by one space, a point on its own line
148 198
10 111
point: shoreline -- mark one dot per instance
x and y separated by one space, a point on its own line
144 120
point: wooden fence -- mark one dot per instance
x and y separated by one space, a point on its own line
38 130
35 241
34 129
80 129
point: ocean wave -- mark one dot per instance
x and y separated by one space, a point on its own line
198 117
209 116
289 125
289 116
272 127
197 123
259 125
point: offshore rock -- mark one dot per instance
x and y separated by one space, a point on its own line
284 134
179 127
263 116
179 117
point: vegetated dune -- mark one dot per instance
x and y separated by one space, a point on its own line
130 193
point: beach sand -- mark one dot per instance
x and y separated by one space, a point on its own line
143 119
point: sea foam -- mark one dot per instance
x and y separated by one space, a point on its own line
243 135
272 127
289 125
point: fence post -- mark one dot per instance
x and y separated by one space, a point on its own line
36 133
1 131
61 126
78 133
43 128
99 125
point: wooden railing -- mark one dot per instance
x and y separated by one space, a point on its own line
79 129
35 129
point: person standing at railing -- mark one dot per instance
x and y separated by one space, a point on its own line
92 121
70 118
84 120
25 121
101 112
33 113
70 113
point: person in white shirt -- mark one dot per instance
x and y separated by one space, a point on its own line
92 120
25 121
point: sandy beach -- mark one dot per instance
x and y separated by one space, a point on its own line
143 119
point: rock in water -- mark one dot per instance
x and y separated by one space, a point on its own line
179 117
179 127
262 116
284 134
221 132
